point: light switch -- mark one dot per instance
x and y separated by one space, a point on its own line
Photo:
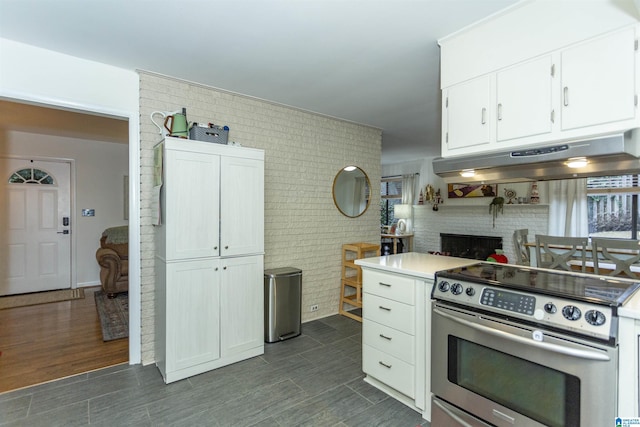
88 212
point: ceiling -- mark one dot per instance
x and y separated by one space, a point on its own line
374 62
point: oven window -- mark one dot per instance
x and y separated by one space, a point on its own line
548 396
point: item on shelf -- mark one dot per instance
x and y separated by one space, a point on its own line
179 127
496 205
511 195
534 197
209 133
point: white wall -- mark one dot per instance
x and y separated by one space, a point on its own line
41 76
100 168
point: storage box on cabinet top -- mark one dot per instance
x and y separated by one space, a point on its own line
209 134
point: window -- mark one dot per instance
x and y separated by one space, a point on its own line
391 192
30 176
612 206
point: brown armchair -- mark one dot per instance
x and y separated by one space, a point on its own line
113 258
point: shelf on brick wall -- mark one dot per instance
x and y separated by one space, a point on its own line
456 206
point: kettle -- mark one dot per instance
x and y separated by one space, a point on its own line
163 114
179 127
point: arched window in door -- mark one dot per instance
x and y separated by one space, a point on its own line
31 176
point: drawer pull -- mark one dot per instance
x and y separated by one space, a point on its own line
385 337
384 308
384 284
385 365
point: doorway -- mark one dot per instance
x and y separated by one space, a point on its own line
58 124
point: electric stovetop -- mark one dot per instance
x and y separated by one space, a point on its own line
580 287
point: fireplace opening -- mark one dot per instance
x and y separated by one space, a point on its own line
469 246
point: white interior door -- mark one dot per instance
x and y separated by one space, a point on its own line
35 226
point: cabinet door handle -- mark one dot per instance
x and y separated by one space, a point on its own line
553 116
484 116
224 268
566 96
226 247
215 248
385 365
385 337
384 284
499 111
216 269
384 308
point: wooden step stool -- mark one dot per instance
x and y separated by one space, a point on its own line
351 284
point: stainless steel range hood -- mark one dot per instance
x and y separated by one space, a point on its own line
609 155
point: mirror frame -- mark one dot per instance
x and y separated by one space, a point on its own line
333 191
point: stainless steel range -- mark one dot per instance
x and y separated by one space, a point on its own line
526 347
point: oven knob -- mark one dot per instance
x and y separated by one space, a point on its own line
456 289
595 317
443 286
550 308
470 292
571 312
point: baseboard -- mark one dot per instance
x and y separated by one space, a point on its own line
88 284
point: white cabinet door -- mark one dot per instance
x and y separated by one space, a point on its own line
192 204
524 100
241 206
598 81
192 319
468 114
241 304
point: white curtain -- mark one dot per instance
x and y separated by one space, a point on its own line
568 208
409 195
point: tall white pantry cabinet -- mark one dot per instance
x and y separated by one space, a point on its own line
209 262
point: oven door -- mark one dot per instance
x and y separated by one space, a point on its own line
509 374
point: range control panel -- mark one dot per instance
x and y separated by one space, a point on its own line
575 316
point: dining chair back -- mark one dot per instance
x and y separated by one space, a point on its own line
523 253
561 253
615 257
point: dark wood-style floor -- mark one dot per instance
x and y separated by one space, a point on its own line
41 343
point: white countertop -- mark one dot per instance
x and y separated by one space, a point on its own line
425 266
414 263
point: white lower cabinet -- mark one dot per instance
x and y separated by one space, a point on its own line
394 343
208 314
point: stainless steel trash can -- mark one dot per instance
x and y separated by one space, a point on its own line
282 303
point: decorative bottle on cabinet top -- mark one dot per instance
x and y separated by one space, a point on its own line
534 198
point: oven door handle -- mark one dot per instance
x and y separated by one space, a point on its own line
451 415
583 354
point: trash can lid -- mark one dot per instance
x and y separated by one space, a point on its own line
282 271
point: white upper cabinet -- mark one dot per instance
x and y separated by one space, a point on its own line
598 81
524 102
241 206
540 73
191 181
213 201
467 115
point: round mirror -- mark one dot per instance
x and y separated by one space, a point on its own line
351 191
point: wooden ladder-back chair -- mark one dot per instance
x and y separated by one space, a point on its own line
523 253
614 257
561 253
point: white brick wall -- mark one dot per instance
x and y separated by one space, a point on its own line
477 220
303 153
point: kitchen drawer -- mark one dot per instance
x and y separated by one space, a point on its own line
389 285
389 340
389 313
389 370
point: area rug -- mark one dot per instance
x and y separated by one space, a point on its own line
34 298
114 315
